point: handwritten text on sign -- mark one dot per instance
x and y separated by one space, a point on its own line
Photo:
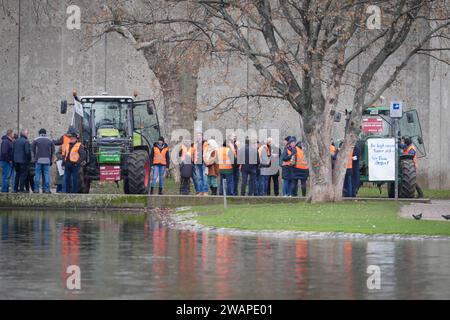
381 156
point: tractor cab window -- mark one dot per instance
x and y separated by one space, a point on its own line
146 127
110 118
410 126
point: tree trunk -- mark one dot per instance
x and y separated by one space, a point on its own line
318 148
178 80
177 76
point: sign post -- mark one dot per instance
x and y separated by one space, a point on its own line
224 182
396 112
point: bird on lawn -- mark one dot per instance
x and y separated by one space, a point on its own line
446 216
417 216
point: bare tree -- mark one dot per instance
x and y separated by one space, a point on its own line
303 52
172 46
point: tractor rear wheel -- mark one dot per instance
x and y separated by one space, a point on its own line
407 187
138 179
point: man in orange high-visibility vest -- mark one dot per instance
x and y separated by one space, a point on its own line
186 166
160 160
348 186
73 159
300 171
199 177
226 160
63 141
410 149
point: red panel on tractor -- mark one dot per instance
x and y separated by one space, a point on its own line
109 173
372 125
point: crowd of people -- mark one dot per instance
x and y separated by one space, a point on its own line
255 168
252 169
26 165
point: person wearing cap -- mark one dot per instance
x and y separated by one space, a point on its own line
408 147
288 162
300 170
73 159
159 159
63 141
42 151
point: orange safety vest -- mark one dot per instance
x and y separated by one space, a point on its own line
65 145
224 159
350 160
412 147
300 160
184 152
74 155
159 156
196 154
332 150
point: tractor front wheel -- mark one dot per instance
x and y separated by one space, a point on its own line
138 179
407 187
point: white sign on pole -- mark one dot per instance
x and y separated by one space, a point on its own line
381 157
396 110
78 108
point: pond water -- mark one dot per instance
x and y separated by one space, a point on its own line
133 256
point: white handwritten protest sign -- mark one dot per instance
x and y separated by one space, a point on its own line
381 156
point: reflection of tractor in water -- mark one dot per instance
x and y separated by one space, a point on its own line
376 123
117 133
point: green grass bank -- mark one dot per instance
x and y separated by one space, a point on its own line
351 217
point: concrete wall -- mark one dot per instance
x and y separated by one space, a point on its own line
54 60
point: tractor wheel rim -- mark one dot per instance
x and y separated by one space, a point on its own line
146 169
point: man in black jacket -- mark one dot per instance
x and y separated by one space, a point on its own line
22 158
248 169
6 159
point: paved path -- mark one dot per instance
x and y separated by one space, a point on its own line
430 211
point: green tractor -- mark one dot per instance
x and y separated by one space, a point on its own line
376 123
118 133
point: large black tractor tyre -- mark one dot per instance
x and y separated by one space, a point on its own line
84 185
138 178
407 187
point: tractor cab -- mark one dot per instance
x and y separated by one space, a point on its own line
117 133
376 123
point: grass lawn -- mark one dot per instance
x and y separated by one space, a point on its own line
368 218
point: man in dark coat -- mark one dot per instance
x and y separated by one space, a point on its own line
43 151
22 159
248 169
6 159
356 182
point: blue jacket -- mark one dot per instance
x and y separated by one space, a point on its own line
22 150
287 172
7 149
